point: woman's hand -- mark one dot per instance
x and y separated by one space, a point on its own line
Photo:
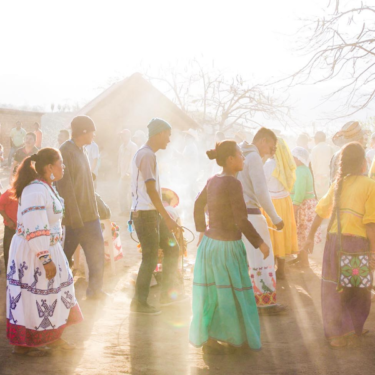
308 245
265 250
50 269
201 234
372 261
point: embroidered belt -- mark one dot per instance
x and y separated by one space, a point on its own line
253 211
54 238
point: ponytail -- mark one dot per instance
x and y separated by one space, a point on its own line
28 172
25 174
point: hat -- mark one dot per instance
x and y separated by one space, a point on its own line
302 155
175 200
350 132
82 124
156 126
192 133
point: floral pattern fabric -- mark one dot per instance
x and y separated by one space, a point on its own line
305 218
38 309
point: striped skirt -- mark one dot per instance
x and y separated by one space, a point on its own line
224 307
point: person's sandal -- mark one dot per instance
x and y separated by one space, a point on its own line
30 352
338 343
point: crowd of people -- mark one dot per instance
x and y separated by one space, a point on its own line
262 203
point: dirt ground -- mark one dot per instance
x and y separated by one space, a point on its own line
111 341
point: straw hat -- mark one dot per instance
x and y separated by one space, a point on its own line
175 200
193 133
350 132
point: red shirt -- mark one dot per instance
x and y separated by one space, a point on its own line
9 205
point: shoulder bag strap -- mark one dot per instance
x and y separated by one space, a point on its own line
338 227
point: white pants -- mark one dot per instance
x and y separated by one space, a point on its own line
262 271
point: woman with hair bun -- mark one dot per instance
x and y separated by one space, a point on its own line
224 308
40 297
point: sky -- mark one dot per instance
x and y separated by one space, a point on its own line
67 51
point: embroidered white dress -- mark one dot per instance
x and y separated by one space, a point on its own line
38 309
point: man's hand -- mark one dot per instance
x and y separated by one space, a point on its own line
50 269
279 226
265 250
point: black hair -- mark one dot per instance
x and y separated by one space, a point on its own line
27 172
32 135
222 151
351 159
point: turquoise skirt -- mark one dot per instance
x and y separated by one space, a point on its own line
224 307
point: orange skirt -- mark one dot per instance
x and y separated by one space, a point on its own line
285 242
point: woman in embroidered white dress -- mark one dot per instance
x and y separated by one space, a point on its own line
40 299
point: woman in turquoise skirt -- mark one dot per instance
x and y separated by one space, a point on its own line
224 308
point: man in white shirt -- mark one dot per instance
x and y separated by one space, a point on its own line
17 140
125 157
320 157
153 224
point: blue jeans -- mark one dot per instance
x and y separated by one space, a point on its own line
90 237
153 234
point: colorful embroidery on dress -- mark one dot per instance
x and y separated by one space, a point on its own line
21 271
36 274
42 253
33 208
355 271
55 194
37 233
12 306
45 312
68 301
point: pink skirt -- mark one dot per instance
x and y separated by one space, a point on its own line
305 217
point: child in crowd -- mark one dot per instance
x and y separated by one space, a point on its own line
8 210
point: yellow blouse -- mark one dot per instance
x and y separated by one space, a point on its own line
357 205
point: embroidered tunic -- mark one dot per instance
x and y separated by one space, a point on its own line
38 309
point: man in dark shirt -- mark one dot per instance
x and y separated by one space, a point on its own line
81 213
27 150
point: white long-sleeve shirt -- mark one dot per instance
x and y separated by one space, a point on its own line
254 183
